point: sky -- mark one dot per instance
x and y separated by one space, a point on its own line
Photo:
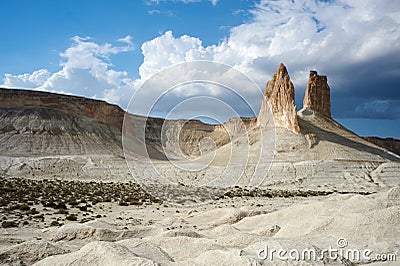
108 49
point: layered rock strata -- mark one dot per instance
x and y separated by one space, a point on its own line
279 93
317 96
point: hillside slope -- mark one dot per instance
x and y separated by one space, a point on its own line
48 135
390 144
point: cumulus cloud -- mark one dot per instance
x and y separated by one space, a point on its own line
355 42
26 80
166 50
85 70
197 82
347 40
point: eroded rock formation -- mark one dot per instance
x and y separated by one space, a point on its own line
49 123
279 92
72 105
317 96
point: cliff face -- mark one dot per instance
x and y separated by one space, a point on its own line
317 96
185 137
37 129
279 93
33 122
73 105
39 123
390 144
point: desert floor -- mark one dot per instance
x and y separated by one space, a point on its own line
105 224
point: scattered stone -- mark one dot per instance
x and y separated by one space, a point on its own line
312 139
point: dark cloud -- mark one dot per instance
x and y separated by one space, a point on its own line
367 90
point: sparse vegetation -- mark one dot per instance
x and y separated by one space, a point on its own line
72 217
54 223
18 197
282 193
8 224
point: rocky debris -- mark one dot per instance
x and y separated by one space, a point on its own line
317 95
312 139
386 174
279 93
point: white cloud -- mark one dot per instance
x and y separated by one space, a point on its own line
26 80
167 50
214 2
127 39
168 13
153 12
152 2
303 34
327 36
85 70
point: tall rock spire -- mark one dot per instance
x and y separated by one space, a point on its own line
279 92
317 96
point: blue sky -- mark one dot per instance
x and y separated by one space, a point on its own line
107 49
37 31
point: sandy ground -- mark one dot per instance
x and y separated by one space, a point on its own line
228 231
70 199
